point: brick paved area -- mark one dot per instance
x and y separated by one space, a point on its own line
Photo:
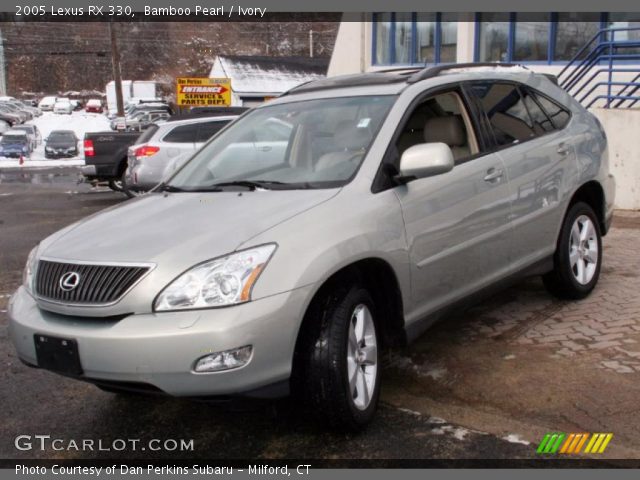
604 328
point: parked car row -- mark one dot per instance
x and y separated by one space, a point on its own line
14 112
138 116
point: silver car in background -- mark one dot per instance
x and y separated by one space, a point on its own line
320 228
161 145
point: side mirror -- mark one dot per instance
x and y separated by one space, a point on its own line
425 160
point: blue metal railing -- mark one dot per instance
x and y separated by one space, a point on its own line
604 56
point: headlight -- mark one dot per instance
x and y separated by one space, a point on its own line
29 271
48 149
219 282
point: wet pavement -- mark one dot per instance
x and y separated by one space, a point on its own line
485 383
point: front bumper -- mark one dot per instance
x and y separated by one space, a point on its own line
60 154
160 349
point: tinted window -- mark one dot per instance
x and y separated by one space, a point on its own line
209 129
182 134
506 111
559 115
541 122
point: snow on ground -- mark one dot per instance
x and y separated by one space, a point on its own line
80 122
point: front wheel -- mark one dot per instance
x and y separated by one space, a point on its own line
340 374
578 255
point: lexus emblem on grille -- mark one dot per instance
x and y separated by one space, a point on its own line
69 281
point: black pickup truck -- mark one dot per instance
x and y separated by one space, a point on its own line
105 156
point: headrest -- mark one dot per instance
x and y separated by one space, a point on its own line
449 130
349 137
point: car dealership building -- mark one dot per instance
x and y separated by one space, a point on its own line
596 57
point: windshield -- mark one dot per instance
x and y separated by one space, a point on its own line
13 139
61 137
310 144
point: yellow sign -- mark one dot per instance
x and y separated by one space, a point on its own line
203 91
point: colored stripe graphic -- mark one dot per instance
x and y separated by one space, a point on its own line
573 443
598 443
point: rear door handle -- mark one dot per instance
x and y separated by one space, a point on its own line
563 150
493 175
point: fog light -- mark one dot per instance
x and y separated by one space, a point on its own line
219 361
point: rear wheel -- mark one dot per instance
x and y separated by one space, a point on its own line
115 185
578 255
129 192
340 375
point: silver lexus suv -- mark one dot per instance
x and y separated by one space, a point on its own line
284 259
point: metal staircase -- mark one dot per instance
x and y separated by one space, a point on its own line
605 72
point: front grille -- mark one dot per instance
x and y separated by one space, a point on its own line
96 284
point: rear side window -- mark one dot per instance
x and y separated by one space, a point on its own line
209 129
559 115
506 112
541 122
182 134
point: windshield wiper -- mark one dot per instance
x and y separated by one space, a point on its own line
250 184
163 187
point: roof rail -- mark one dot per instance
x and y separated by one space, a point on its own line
434 71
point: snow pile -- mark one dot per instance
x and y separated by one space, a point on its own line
79 122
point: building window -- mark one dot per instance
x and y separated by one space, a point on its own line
572 34
531 41
550 37
426 30
622 21
403 39
493 37
448 39
410 38
382 37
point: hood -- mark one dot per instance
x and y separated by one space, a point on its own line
178 230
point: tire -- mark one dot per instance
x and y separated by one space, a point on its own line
115 185
340 377
125 188
578 255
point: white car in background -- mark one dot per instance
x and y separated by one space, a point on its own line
63 108
156 149
47 103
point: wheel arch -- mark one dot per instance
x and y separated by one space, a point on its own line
592 194
379 278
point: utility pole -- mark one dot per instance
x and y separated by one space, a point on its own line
3 78
311 43
117 78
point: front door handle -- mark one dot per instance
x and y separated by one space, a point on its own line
493 175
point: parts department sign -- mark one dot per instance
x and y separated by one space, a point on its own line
203 91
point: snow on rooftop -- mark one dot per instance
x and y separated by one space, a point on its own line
497 68
268 75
